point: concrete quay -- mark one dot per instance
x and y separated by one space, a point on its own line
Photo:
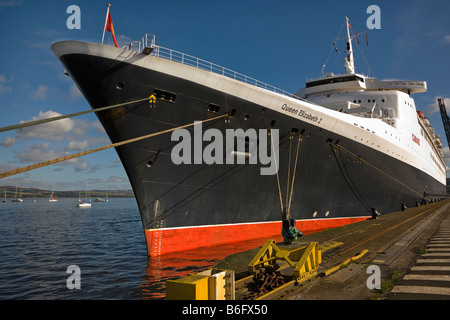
405 255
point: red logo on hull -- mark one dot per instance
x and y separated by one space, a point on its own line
415 139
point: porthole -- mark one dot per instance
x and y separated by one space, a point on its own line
120 85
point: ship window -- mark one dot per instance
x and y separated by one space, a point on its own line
164 95
213 108
334 80
382 100
120 85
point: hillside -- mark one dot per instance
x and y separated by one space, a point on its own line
39 193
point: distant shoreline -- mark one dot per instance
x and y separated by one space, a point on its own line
41 193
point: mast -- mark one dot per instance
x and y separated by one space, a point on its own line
349 61
106 21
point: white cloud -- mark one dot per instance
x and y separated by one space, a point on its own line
77 145
116 179
75 93
40 93
37 153
124 40
4 4
447 38
6 167
58 138
434 107
8 141
447 158
81 166
98 127
54 130
4 88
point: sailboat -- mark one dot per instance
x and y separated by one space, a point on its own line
19 199
52 199
84 204
97 199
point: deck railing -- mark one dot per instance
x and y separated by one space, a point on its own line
172 55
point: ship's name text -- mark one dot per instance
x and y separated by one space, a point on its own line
301 113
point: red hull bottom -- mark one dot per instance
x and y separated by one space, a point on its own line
163 241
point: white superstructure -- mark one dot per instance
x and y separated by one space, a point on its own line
386 109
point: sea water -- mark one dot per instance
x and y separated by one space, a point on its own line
40 240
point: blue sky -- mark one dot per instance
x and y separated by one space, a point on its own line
282 43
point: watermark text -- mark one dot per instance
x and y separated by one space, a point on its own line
209 147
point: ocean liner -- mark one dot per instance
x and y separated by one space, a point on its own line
347 144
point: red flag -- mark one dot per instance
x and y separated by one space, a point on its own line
357 40
109 27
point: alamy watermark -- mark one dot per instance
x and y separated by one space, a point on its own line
74 281
74 20
239 146
374 21
374 280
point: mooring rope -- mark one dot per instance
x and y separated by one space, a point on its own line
46 120
300 137
288 194
379 170
276 166
352 188
79 154
289 168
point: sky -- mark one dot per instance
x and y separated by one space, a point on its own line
282 43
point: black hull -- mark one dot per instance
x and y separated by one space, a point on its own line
330 183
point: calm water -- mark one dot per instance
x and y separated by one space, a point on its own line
40 240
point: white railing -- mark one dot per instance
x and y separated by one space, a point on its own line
172 55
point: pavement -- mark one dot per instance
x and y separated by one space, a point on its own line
408 257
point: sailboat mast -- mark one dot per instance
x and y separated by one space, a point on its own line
349 61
